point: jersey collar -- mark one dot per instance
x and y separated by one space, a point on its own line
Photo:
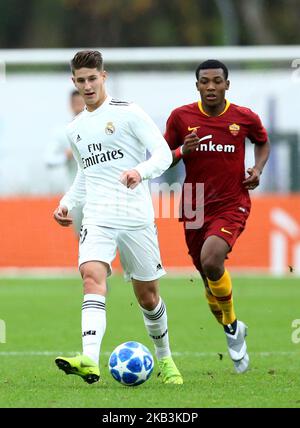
102 106
227 104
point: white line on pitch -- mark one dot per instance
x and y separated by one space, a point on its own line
175 354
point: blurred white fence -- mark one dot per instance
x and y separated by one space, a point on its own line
34 104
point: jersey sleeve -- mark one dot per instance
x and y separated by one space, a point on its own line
75 196
172 134
257 132
145 130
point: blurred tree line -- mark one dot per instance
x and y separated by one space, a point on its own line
121 23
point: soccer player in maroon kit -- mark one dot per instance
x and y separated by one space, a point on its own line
214 154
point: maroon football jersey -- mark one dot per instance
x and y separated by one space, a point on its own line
219 159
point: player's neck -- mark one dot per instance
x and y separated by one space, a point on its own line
213 110
93 107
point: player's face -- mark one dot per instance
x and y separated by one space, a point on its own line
90 83
77 104
212 86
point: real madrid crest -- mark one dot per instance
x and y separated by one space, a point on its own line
234 129
109 129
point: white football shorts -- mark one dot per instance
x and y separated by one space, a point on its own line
138 249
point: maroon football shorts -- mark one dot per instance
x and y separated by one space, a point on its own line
228 225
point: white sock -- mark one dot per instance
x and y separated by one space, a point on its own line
93 324
156 323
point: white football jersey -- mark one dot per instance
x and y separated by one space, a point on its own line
106 142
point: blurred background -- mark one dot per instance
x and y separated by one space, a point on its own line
151 49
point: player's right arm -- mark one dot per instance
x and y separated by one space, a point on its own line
74 197
173 137
61 216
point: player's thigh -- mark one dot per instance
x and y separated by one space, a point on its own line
220 236
214 250
194 239
140 254
227 228
97 244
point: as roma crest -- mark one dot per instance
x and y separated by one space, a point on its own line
234 129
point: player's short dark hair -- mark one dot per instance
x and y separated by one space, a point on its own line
212 63
88 59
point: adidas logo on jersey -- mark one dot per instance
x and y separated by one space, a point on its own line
78 138
117 103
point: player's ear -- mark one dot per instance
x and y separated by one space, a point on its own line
197 85
104 74
73 80
227 84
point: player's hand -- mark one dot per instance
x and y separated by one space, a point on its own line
252 181
191 143
61 216
130 178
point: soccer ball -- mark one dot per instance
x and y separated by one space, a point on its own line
131 363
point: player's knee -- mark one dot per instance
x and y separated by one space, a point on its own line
211 265
148 300
147 293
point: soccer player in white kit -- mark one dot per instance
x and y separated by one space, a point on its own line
109 140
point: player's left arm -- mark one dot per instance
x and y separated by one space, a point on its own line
259 137
130 178
261 155
145 130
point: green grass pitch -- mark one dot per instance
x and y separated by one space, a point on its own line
43 317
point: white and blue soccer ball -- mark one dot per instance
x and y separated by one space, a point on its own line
131 363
